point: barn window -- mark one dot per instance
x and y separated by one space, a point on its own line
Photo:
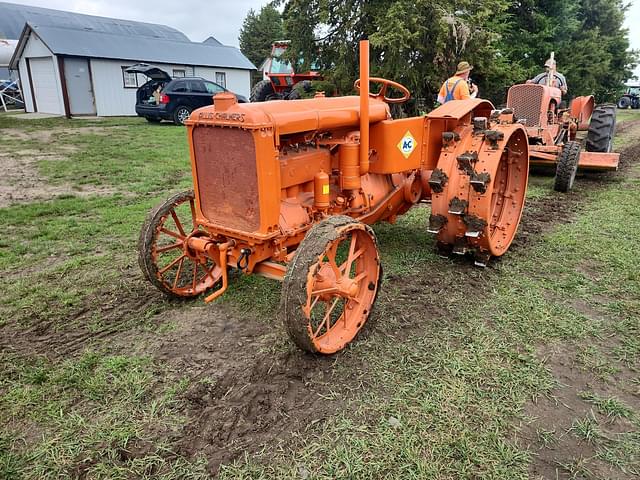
221 79
178 73
129 79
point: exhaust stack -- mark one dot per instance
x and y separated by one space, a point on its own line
364 105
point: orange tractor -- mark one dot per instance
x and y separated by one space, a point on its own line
288 189
552 131
280 77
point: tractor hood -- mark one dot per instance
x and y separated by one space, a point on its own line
153 73
291 116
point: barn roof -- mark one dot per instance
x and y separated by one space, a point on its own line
13 17
66 33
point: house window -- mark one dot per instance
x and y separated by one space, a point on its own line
178 73
129 79
221 79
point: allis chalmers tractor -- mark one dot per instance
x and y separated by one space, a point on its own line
552 131
281 77
287 190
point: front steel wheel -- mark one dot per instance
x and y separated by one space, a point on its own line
162 255
331 285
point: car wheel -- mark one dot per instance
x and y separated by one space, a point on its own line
153 119
181 115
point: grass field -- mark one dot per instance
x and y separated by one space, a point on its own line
526 369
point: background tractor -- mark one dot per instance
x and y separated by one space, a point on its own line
552 131
630 98
287 190
280 77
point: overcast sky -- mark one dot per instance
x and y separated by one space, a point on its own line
221 18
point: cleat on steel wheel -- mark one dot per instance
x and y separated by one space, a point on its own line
436 222
457 206
481 259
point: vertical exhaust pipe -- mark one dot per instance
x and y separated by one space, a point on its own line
364 107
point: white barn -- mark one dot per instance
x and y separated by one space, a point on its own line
73 64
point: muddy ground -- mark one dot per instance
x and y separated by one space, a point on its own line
251 387
21 182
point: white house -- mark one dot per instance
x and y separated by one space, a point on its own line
73 64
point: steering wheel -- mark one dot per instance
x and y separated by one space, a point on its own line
406 94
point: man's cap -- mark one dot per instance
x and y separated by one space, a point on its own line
463 67
549 63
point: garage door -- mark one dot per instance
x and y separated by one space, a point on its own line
45 86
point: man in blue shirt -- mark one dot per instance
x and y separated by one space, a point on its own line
558 79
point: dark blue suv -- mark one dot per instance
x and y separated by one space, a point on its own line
163 98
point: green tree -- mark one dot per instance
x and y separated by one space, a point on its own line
259 31
590 44
419 42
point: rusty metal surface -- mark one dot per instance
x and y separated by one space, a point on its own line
526 102
598 161
227 179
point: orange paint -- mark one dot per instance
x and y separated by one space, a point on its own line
265 174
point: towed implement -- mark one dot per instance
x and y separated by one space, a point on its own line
552 131
287 190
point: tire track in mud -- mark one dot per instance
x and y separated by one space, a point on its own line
249 387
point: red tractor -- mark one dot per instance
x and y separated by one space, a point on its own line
553 131
280 77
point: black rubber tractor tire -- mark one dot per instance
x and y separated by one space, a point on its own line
181 114
153 119
294 94
624 102
567 167
261 91
602 128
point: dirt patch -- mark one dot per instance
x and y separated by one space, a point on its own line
21 182
243 393
101 315
626 126
549 429
47 135
543 214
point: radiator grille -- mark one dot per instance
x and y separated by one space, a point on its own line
227 179
526 102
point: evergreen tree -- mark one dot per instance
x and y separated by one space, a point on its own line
419 42
258 33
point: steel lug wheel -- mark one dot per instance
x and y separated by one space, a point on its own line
162 254
331 285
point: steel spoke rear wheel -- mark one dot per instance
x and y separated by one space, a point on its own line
331 285
162 255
